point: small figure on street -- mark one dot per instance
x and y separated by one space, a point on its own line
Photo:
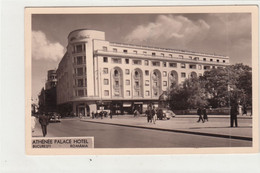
244 110
111 115
199 113
44 121
154 115
93 115
205 116
101 114
233 114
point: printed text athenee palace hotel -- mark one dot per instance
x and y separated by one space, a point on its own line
97 73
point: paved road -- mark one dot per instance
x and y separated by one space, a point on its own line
112 136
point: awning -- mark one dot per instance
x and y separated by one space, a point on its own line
127 104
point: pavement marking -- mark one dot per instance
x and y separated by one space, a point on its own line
178 131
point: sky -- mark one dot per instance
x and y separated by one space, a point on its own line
223 34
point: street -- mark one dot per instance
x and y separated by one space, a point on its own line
114 136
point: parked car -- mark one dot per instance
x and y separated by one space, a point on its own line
164 114
55 118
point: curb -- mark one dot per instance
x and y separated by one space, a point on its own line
177 131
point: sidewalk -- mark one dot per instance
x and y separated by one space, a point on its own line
215 127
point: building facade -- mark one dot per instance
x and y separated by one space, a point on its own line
97 74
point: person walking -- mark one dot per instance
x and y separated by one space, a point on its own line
199 113
93 115
44 121
111 115
154 115
205 116
233 115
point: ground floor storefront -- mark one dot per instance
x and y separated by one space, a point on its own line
116 107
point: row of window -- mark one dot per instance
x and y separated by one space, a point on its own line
128 93
80 71
162 54
137 83
155 63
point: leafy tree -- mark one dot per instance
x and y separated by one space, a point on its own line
191 94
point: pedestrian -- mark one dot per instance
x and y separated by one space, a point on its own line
244 110
155 115
33 122
93 115
111 115
233 114
101 114
199 113
44 121
205 116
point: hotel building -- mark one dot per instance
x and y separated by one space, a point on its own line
97 74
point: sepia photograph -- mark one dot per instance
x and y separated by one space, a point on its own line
141 80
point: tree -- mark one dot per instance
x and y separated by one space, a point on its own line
191 94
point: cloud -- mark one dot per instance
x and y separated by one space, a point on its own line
169 27
42 48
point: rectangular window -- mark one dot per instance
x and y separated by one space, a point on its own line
156 63
147 82
135 52
162 54
127 61
153 54
204 59
147 93
183 75
79 60
192 66
183 65
79 71
114 50
137 83
116 83
217 60
146 62
164 83
206 67
106 93
84 61
78 48
127 71
224 61
125 51
164 74
80 92
127 82
164 64
137 93
147 72
104 48
127 92
105 59
173 64
106 82
105 70
80 82
170 55
137 62
145 52
211 59
116 60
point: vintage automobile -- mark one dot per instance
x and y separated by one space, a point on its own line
54 118
164 113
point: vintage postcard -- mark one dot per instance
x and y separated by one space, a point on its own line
141 80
